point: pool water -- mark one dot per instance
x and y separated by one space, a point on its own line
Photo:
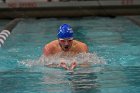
3 22
116 40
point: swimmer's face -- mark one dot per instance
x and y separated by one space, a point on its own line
65 43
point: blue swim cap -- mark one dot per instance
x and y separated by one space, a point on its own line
65 31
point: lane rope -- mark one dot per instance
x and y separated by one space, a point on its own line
7 30
3 35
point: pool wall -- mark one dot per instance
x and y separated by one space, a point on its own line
69 8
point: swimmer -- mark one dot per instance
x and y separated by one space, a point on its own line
66 45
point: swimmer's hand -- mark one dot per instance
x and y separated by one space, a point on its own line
72 66
64 65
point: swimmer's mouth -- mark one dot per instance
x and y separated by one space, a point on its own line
66 47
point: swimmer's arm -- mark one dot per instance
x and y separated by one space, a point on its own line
85 64
62 65
52 65
75 64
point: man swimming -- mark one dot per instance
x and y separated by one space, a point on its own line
66 45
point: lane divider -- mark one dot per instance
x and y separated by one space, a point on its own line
3 35
7 31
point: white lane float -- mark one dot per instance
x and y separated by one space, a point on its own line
3 35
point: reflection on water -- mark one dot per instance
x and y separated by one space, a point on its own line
83 82
95 79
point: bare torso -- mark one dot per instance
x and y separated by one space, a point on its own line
53 48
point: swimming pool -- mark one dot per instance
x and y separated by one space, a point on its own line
116 40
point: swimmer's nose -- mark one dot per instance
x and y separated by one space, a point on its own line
66 43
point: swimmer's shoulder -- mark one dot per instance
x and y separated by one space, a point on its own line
52 44
76 42
50 48
81 45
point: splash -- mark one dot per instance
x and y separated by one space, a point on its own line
91 58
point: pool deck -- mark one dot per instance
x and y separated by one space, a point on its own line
42 8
